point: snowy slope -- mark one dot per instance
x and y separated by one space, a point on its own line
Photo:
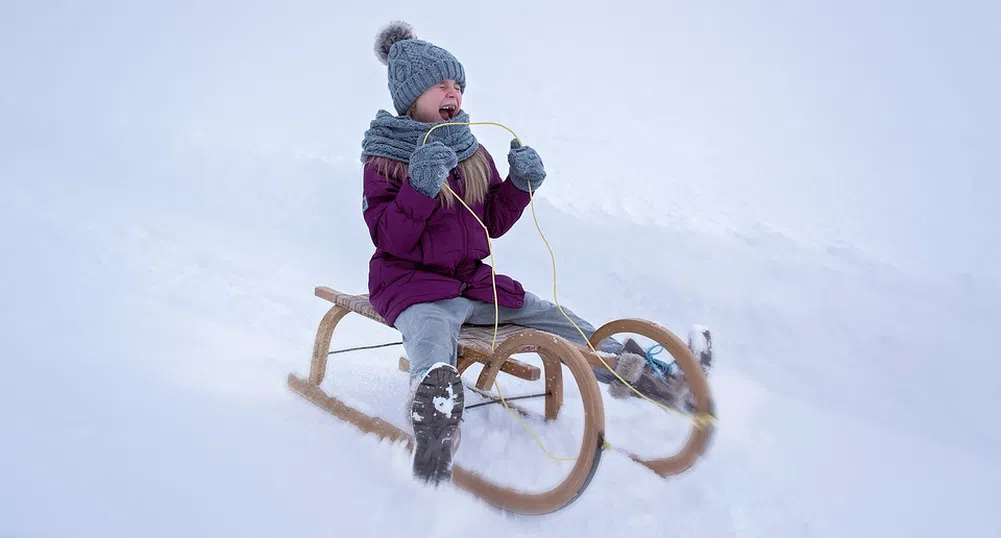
178 177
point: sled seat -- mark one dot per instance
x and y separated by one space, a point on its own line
474 340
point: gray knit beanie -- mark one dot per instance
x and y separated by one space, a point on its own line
414 65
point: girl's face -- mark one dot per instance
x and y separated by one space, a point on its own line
440 102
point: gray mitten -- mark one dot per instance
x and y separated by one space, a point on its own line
429 167
526 167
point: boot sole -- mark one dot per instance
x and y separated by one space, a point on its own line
436 413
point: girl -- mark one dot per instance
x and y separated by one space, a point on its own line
427 277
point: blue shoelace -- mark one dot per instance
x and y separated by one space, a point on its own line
661 368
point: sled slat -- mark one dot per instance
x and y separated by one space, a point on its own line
356 303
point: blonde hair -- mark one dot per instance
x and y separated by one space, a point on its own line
475 176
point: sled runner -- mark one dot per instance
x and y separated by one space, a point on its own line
474 346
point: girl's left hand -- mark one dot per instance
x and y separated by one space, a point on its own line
526 167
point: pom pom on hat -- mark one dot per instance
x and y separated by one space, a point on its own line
389 36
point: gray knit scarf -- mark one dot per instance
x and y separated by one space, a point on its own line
396 137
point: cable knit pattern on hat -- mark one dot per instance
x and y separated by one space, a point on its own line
414 64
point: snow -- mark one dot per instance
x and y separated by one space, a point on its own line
446 406
814 182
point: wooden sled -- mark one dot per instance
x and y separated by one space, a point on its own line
474 347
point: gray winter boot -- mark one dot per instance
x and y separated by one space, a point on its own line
436 404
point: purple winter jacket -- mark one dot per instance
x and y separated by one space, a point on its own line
425 252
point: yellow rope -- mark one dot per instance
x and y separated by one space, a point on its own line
701 420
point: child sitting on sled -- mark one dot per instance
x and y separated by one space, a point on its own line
427 277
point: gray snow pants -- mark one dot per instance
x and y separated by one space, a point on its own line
431 330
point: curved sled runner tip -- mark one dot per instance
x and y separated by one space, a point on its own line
703 427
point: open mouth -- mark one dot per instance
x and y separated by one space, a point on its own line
448 112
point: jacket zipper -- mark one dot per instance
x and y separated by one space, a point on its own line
462 228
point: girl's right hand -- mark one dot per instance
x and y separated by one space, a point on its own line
429 167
